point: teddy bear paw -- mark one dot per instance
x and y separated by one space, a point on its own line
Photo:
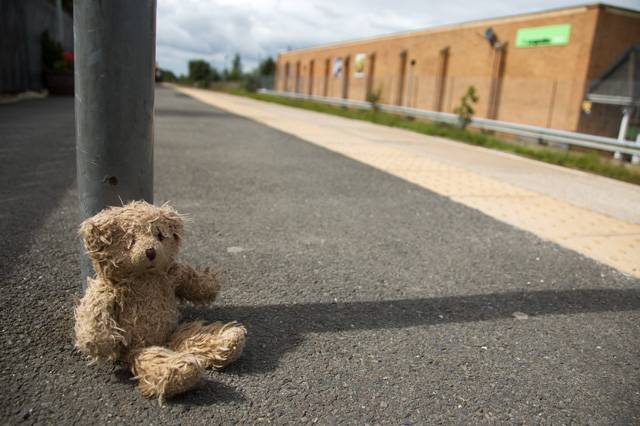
165 373
231 340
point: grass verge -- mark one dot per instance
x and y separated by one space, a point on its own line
589 162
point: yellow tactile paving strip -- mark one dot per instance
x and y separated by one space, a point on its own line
611 241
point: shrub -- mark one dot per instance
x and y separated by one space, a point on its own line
52 51
465 110
373 97
251 81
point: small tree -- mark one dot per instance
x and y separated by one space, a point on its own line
215 74
199 71
465 110
236 68
373 97
267 67
202 73
165 75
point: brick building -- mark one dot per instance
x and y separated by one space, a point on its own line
535 68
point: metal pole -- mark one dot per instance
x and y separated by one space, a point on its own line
552 103
59 22
114 85
624 124
622 133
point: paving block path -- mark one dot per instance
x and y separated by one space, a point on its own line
369 299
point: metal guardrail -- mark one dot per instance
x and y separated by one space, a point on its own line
524 130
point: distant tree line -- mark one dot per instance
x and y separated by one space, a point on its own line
202 74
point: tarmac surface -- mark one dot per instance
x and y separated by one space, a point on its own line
368 300
595 216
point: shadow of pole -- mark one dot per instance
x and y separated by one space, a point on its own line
276 329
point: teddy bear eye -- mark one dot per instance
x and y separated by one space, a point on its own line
176 237
160 236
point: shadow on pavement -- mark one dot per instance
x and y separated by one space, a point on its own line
277 329
38 168
208 392
194 113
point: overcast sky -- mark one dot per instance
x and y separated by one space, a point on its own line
215 29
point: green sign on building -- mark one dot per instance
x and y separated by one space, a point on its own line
549 35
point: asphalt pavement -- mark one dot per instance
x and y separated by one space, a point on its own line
368 300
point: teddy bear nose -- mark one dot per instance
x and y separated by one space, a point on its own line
151 253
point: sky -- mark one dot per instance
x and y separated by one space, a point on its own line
214 30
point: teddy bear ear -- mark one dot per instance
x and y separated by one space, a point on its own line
93 236
172 218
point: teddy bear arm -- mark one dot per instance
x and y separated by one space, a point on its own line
96 330
197 287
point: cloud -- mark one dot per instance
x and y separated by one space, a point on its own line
215 30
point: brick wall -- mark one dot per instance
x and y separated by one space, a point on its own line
541 85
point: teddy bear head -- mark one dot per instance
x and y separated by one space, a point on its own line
137 238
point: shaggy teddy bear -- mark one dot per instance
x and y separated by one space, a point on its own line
129 313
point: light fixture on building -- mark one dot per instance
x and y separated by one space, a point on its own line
491 36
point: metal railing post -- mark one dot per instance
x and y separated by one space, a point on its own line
114 84
622 132
635 158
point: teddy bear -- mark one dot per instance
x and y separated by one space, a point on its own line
129 312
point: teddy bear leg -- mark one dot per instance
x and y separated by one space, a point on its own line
216 345
162 372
